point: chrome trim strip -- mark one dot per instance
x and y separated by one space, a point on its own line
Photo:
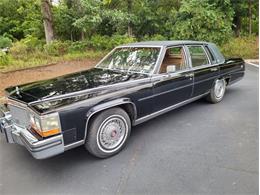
74 145
159 60
157 113
187 70
125 46
33 148
105 57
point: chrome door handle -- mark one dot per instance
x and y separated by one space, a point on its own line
165 77
214 69
161 78
189 75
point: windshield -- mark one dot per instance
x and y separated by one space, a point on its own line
131 59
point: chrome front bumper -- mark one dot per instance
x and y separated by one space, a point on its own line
40 149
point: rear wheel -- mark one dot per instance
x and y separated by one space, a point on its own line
217 92
108 132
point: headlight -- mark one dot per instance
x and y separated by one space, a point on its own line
46 125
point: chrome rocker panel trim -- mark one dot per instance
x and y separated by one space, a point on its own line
39 149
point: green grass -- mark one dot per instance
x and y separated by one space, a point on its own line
35 59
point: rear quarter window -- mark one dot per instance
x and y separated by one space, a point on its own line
218 55
211 55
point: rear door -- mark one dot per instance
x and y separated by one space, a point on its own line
204 71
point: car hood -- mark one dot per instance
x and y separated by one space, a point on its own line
69 84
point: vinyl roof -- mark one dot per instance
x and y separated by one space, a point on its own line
165 43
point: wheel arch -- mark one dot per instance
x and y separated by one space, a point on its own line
226 78
124 103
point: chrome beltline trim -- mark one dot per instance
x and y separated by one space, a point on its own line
157 113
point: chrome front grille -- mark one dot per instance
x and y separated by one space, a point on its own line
20 115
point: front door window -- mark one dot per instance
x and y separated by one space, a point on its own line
173 57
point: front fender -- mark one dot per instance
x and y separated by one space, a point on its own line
110 104
107 105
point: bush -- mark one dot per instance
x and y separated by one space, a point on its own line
19 50
155 37
244 47
99 42
117 40
5 42
78 46
57 48
27 46
32 43
4 59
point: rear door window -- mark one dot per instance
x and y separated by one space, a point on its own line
198 56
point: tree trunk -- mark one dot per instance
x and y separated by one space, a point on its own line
47 20
237 28
82 35
129 10
250 16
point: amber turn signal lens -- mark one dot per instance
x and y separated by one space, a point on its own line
47 133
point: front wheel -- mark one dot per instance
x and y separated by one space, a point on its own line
217 91
108 132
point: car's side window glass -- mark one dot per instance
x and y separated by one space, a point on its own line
174 60
198 56
211 56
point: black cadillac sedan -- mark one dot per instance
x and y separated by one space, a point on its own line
98 107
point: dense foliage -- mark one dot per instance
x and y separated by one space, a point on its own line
81 25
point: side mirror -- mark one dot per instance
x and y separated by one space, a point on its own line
171 68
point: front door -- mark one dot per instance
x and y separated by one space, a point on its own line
174 82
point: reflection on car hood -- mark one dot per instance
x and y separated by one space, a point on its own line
67 84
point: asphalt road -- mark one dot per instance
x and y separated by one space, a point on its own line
199 148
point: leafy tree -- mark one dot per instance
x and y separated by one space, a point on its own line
212 20
19 18
89 17
203 21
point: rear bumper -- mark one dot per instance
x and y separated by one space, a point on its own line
39 149
235 77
